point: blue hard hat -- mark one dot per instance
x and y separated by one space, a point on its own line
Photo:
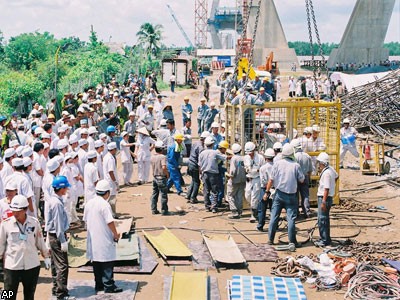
60 182
33 127
111 129
3 118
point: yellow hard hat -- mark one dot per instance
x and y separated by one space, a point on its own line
223 144
186 98
179 136
51 116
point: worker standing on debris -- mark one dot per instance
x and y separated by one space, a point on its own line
21 238
304 160
102 237
285 175
265 175
208 168
236 183
347 141
252 163
161 175
325 193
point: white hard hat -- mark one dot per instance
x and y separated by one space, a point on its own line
92 130
223 125
249 147
277 126
316 128
236 148
14 143
98 144
123 133
52 164
346 120
103 186
205 134
82 142
296 143
212 103
163 122
307 130
39 130
46 135
214 125
323 157
73 139
19 203
11 185
91 154
27 161
287 150
84 131
9 152
159 144
62 144
19 150
269 153
101 136
277 146
27 152
132 113
112 146
209 141
17 162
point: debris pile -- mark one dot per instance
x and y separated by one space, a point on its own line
375 106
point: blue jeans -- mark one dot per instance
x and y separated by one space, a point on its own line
289 202
262 209
174 178
104 275
159 186
221 188
173 86
200 126
324 224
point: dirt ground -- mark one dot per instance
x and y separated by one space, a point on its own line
135 201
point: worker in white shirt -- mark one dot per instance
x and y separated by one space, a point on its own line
325 193
82 154
92 133
57 224
347 140
9 155
11 190
20 239
110 174
91 176
252 164
126 158
102 237
99 147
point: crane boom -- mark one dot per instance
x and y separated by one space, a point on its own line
180 27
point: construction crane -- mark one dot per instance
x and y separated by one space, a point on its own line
180 27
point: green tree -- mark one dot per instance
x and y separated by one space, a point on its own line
150 36
93 39
394 48
24 50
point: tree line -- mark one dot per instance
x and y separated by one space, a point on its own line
36 67
304 49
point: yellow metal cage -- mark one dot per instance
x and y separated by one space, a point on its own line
290 118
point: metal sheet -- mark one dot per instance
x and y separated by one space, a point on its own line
84 289
223 249
168 245
123 225
189 286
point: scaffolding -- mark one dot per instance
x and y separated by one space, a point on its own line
285 121
200 23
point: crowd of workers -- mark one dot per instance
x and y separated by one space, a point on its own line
51 168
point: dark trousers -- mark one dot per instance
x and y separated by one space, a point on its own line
104 275
188 149
221 188
210 186
324 224
59 268
159 187
304 191
28 278
173 86
262 209
193 190
131 139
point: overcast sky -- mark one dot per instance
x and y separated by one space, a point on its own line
119 20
